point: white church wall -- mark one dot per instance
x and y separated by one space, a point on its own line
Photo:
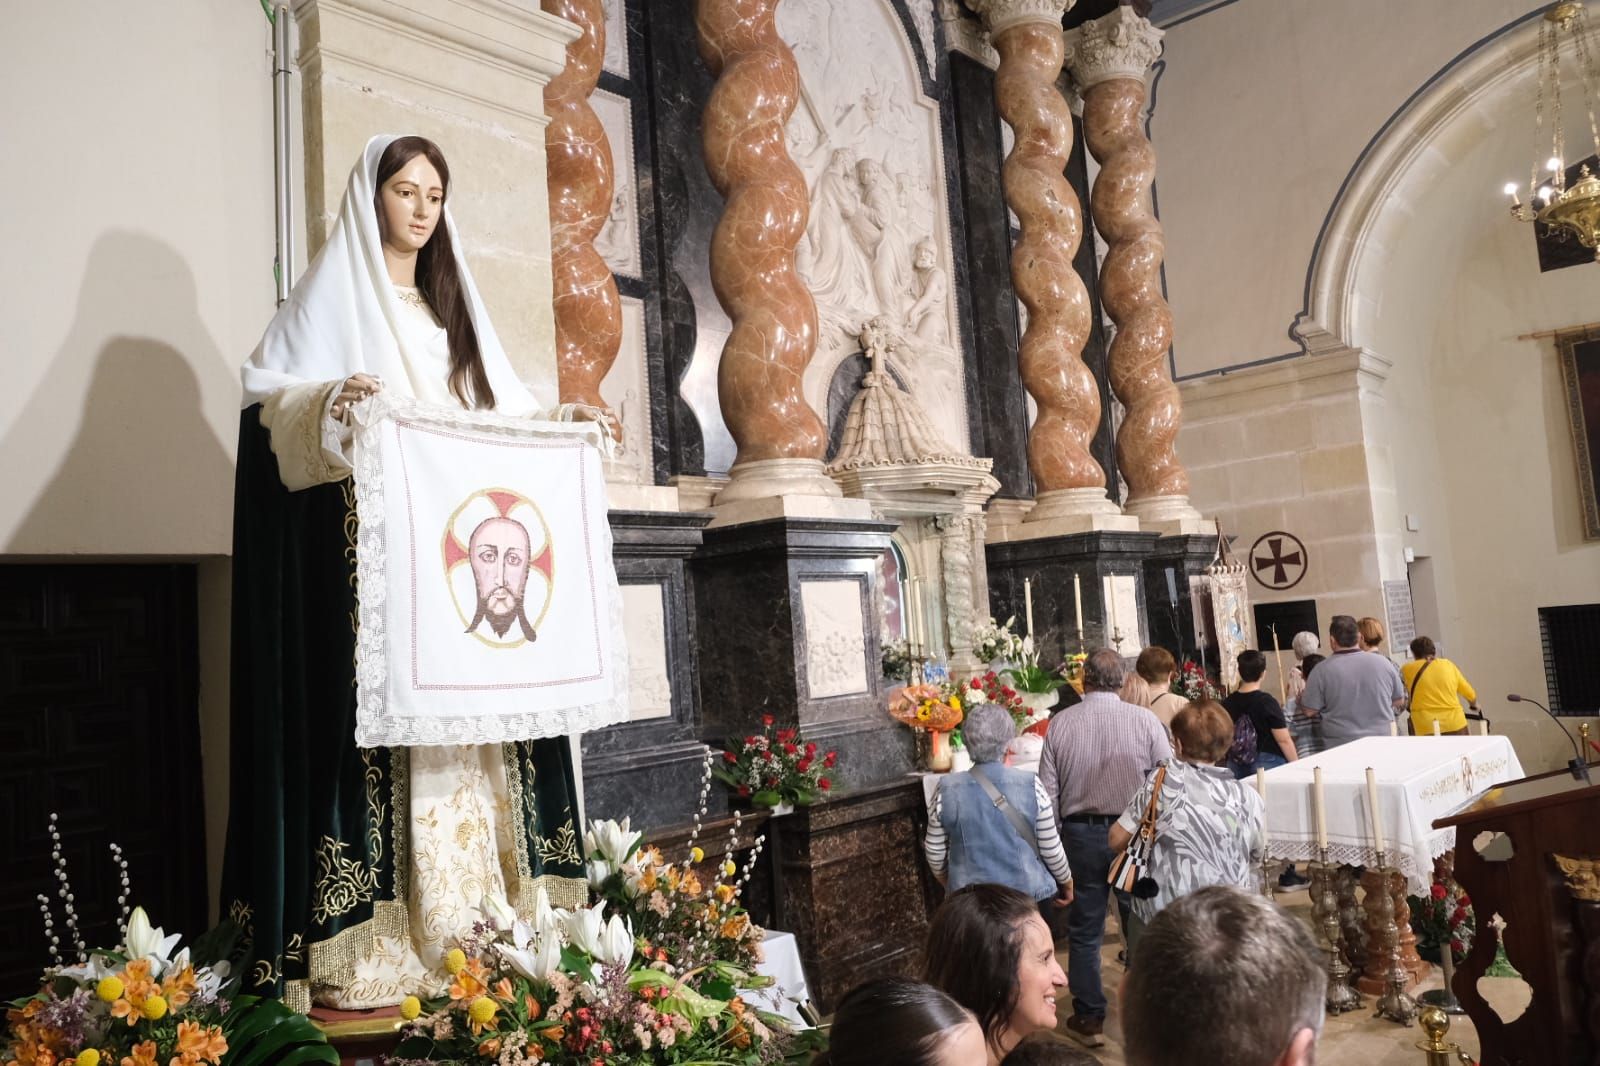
1464 454
139 275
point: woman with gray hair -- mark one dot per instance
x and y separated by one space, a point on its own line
994 824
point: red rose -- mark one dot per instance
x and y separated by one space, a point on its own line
790 749
824 784
750 741
744 790
729 756
975 683
767 755
1438 892
990 676
1463 900
803 765
767 719
811 749
829 759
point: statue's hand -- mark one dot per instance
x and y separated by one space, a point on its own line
356 387
607 418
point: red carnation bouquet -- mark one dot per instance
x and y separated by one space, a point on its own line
776 766
1443 916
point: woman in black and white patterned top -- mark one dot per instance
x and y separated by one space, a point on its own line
1209 826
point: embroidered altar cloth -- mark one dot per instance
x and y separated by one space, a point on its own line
1420 779
488 603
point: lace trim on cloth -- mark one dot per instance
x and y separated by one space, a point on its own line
333 962
374 726
1418 880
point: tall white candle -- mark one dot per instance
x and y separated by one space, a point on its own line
1027 602
1436 731
1111 607
1394 728
1320 802
1372 809
912 613
1077 604
1261 784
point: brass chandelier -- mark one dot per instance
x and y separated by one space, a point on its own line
1568 211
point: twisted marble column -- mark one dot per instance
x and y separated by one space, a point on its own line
1108 58
588 310
780 438
1067 479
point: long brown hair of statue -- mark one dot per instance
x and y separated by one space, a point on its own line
437 277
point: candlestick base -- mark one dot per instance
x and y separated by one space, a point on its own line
1325 911
1395 1004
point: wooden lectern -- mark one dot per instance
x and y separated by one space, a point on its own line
1529 851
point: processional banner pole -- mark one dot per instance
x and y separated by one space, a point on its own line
283 188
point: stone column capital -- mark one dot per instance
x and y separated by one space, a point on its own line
1122 44
1001 15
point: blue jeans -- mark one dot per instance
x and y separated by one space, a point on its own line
1089 855
1265 760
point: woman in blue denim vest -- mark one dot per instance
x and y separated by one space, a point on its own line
994 824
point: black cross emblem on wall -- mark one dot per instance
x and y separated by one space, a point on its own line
1284 556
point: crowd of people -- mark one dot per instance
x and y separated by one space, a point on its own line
1133 767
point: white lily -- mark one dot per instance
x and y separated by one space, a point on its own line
145 942
610 840
498 911
209 979
584 928
91 971
616 943
1027 645
597 870
543 916
534 959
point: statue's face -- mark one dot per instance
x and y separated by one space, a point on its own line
926 257
411 201
499 552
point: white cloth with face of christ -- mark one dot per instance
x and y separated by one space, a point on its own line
489 606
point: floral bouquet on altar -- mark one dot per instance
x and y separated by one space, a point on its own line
1443 916
990 688
1029 677
898 662
1191 683
774 768
651 970
935 708
1072 670
993 643
147 1003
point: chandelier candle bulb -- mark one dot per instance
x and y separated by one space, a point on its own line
1372 810
1319 803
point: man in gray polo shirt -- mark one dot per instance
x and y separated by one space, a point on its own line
1356 693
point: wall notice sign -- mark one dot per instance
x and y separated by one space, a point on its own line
1402 623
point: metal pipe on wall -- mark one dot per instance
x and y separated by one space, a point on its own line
283 206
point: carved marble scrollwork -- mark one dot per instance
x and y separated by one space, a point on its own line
1027 34
753 249
588 309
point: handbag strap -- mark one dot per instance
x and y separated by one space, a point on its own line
1412 695
1003 805
1147 824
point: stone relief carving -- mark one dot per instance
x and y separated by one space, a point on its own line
877 241
965 34
922 16
618 242
616 57
626 390
645 622
836 640
956 564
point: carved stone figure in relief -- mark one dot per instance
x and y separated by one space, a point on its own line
926 317
877 229
830 261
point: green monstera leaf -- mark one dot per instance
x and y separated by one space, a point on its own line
264 1032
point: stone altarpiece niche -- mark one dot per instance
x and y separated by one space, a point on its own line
867 137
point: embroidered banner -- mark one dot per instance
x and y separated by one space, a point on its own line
489 607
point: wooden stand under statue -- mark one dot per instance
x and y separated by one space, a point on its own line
1529 851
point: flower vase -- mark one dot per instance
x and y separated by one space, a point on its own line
778 810
939 754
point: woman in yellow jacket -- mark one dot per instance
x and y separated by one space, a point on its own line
1436 689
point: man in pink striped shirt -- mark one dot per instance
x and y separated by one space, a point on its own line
1096 756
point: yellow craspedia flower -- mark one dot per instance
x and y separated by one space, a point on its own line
155 1008
109 989
697 854
455 961
728 868
955 701
88 1057
410 1008
482 1010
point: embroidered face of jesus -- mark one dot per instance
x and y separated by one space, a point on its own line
498 550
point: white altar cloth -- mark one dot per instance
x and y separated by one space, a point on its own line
1420 779
781 962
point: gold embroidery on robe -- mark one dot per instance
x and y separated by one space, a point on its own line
342 884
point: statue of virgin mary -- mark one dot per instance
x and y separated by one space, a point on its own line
354 870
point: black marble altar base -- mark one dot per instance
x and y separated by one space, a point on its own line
751 646
650 769
1170 607
1051 562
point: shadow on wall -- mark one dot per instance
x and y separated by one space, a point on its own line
145 472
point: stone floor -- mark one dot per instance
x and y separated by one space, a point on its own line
1355 1038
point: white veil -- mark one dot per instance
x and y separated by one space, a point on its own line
342 318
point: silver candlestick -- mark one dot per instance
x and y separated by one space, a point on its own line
1395 1004
1325 910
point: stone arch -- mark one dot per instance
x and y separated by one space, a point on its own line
1444 119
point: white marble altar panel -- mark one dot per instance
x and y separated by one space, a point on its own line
616 58
626 390
836 643
618 242
644 619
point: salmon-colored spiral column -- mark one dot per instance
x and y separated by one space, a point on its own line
1108 58
1067 479
588 311
780 439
